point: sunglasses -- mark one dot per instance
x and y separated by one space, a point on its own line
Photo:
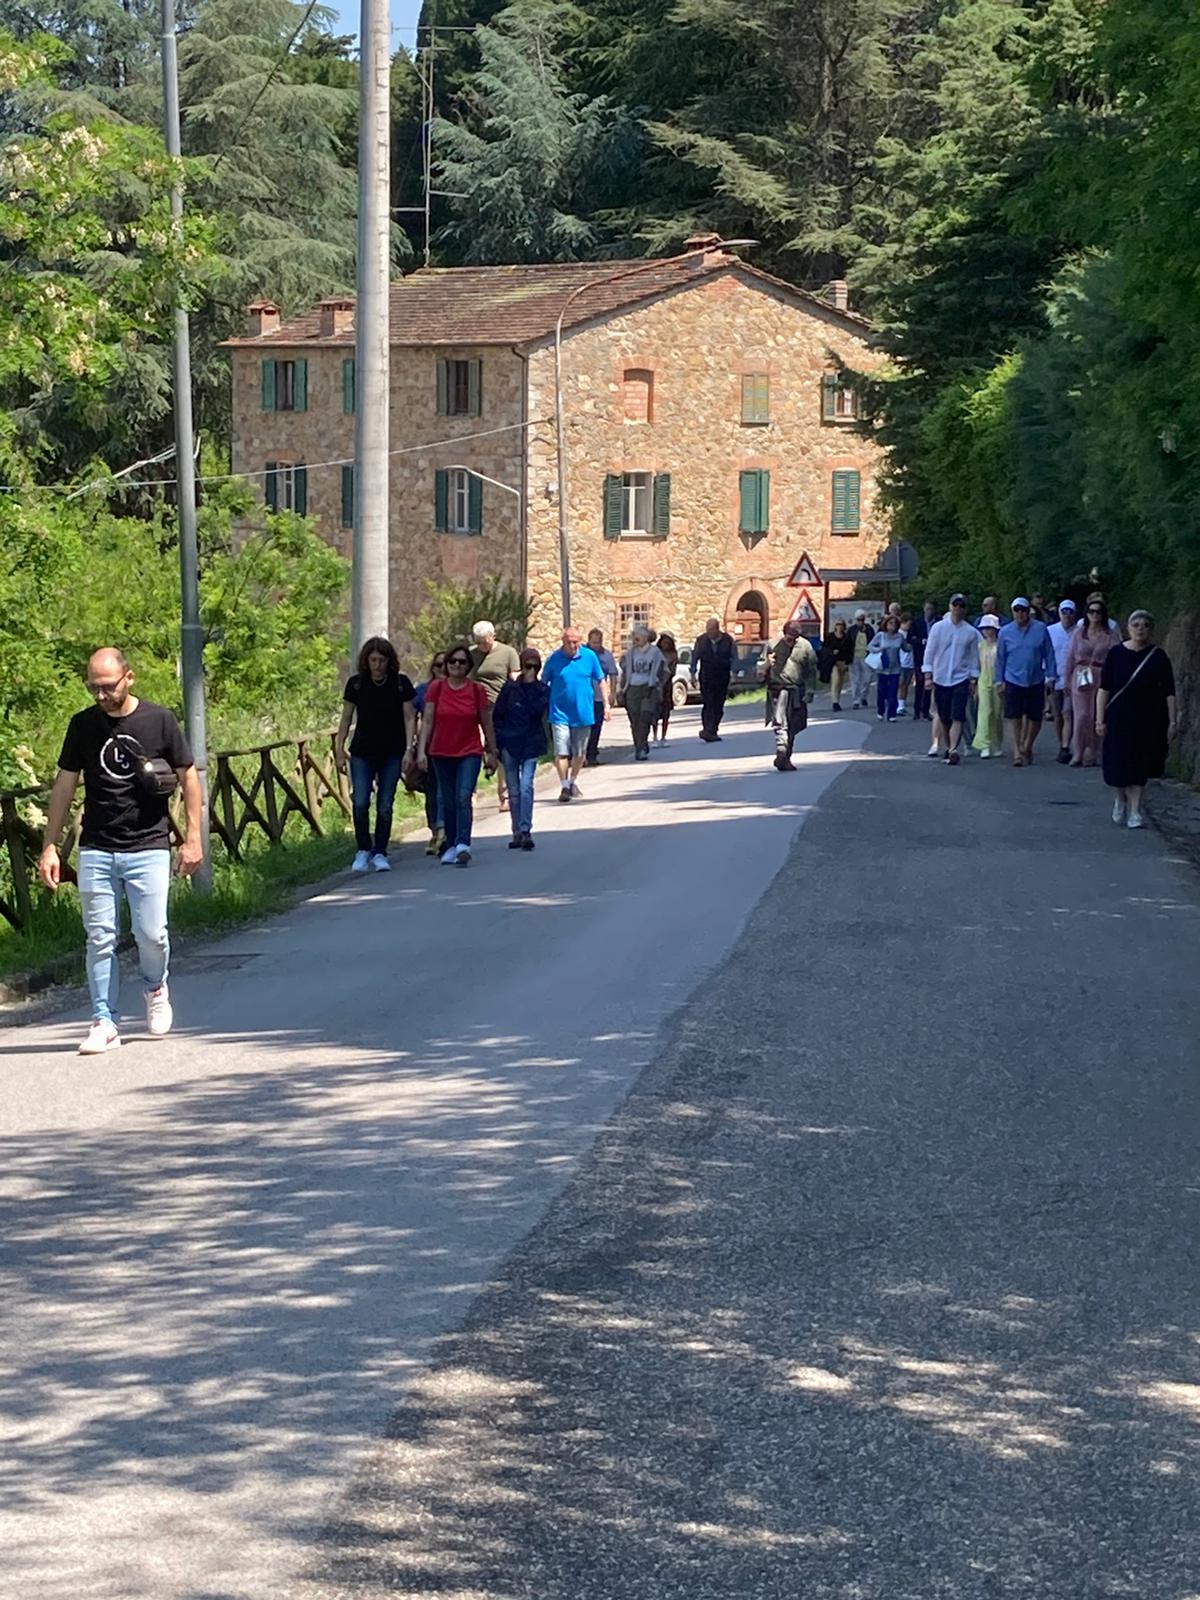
1095 611
436 664
458 661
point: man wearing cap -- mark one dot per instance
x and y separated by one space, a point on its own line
1025 670
860 673
1060 696
952 671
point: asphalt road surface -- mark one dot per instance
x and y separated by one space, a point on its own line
224 1256
877 1283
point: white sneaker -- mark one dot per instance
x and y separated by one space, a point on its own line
159 1015
1118 812
935 749
462 855
361 862
449 857
985 755
381 863
101 1037
1136 820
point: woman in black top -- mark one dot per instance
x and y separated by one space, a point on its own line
1135 716
379 701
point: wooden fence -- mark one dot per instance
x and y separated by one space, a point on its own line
255 788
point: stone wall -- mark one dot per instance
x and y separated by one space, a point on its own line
697 344
325 432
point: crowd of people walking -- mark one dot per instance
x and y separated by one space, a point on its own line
1110 697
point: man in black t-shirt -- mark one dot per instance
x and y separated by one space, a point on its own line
125 846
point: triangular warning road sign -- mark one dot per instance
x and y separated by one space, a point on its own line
804 610
805 573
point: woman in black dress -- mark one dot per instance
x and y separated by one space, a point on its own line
1135 716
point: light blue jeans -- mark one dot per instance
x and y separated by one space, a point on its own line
144 876
520 775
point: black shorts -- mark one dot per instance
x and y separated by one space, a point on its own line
1021 700
951 703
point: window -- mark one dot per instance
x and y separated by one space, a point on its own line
754 501
286 487
839 402
349 385
756 398
846 497
347 496
459 388
637 505
457 501
638 395
285 385
637 614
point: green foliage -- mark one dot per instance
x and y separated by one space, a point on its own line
453 609
535 163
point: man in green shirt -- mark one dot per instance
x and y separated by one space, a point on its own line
492 664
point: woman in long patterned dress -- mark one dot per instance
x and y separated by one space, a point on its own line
1090 643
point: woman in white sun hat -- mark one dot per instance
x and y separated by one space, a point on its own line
989 725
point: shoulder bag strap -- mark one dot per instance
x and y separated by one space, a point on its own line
1146 659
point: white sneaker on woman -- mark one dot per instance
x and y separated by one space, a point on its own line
1136 820
380 862
1118 812
449 857
361 862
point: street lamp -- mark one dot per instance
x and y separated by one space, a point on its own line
564 553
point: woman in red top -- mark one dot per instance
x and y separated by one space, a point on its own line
456 710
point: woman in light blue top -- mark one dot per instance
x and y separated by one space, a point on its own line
888 644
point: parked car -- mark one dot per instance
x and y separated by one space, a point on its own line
744 675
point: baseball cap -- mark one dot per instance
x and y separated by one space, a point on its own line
1067 605
958 599
860 616
1021 601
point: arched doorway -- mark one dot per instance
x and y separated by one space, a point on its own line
751 618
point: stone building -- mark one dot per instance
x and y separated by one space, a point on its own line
709 437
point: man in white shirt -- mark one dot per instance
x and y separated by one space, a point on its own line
952 671
1060 696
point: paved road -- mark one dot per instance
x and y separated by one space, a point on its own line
883 1283
222 1257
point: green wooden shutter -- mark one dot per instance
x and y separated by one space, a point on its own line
271 486
474 504
756 398
829 394
662 505
347 496
846 494
613 505
268 386
441 500
754 500
474 389
300 386
300 490
443 388
348 384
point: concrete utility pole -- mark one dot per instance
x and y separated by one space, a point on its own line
191 633
372 372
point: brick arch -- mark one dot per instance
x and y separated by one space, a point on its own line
748 585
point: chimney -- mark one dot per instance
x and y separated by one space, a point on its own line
337 315
262 316
710 243
838 294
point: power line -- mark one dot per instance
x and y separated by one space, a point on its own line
104 484
267 81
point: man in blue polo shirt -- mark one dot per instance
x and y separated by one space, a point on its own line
1025 669
578 694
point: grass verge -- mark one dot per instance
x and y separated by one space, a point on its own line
262 882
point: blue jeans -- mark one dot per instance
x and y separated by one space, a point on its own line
145 877
520 774
887 693
365 772
456 780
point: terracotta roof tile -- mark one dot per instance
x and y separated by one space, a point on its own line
518 305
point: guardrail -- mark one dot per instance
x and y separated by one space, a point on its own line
254 788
